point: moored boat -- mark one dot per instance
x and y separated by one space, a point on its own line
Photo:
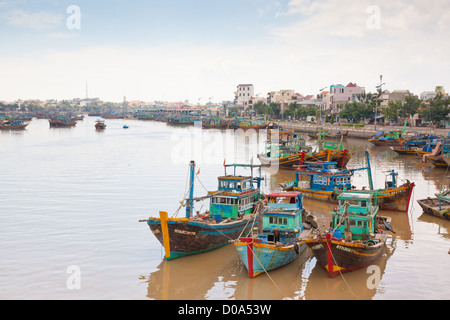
390 139
439 206
324 135
233 211
13 124
277 242
356 238
325 181
285 155
61 122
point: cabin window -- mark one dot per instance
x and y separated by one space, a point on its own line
363 204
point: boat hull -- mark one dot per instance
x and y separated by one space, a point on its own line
259 258
437 161
338 257
13 127
431 207
386 143
182 237
288 162
394 199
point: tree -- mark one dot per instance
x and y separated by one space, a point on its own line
357 111
437 110
392 110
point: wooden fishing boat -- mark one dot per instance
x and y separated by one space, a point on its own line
277 133
357 236
62 122
436 156
285 155
323 134
13 125
276 243
100 125
325 181
216 123
233 211
246 125
414 144
439 206
390 139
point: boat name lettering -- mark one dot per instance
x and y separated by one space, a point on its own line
185 232
345 249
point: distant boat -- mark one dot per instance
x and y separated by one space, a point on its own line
277 243
323 134
125 127
62 122
356 238
13 125
100 124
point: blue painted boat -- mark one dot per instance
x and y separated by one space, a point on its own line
277 243
233 212
325 181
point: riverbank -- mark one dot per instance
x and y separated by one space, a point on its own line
359 132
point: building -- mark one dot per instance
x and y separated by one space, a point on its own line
244 95
339 95
396 95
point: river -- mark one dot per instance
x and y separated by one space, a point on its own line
71 200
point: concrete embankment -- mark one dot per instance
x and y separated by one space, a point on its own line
359 132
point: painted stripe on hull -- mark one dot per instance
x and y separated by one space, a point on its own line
259 258
187 238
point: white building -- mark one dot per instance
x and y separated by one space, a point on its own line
244 94
340 95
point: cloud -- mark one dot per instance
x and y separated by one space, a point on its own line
35 20
354 19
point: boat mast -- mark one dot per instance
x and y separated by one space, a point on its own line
191 189
369 171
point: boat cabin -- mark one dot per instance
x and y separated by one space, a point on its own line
236 195
282 217
361 219
325 176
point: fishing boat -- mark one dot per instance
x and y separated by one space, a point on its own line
250 124
13 124
233 211
100 124
390 139
325 181
280 133
323 134
276 243
285 154
414 144
62 122
356 238
436 157
439 206
216 123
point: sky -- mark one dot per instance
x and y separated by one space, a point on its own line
201 50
